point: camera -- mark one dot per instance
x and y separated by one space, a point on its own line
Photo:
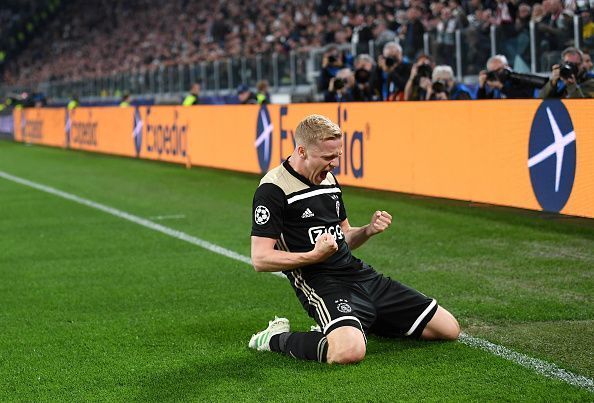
568 69
439 86
390 61
493 76
339 83
332 59
520 79
424 70
362 76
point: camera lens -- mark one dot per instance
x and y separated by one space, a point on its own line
362 76
439 86
568 69
338 83
390 61
332 59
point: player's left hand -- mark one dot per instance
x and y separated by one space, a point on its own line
380 221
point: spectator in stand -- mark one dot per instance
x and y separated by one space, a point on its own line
505 19
392 73
477 38
520 44
570 79
446 30
420 79
444 86
341 87
412 33
555 30
588 28
363 90
492 85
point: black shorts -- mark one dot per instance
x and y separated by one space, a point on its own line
378 305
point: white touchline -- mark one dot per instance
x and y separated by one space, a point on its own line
539 366
542 367
167 217
133 218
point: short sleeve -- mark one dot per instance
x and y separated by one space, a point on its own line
268 211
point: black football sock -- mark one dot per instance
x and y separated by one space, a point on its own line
303 345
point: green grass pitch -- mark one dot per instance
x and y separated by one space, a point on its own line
94 307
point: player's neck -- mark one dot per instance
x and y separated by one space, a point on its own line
299 167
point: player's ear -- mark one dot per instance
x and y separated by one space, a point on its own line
302 152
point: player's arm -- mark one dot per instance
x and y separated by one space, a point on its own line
266 258
357 236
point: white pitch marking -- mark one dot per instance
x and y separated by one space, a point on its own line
133 218
167 217
539 366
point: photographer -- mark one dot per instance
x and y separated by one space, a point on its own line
363 90
570 78
340 88
332 62
499 81
391 73
443 86
419 80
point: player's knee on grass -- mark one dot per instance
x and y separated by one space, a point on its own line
443 326
346 345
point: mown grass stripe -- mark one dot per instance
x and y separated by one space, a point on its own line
539 366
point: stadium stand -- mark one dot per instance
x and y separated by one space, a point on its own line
100 48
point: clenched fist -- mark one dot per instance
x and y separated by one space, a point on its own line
325 247
380 221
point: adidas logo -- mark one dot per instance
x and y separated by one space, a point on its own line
307 213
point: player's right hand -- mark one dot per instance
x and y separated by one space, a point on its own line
325 247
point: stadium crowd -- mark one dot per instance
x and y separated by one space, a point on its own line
95 38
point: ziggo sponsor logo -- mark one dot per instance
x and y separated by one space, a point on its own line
352 160
169 138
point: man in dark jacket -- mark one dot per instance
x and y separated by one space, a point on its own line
570 78
391 73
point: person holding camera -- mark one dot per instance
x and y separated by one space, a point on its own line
570 78
340 87
498 82
443 86
363 91
332 62
391 73
420 79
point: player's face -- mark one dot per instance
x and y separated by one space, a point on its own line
322 158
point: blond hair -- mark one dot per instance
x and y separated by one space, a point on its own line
316 128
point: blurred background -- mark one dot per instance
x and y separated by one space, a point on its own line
106 52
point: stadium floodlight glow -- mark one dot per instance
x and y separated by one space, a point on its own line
557 148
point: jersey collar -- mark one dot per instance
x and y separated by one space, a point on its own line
296 174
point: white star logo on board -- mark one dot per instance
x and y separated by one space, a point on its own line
557 148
